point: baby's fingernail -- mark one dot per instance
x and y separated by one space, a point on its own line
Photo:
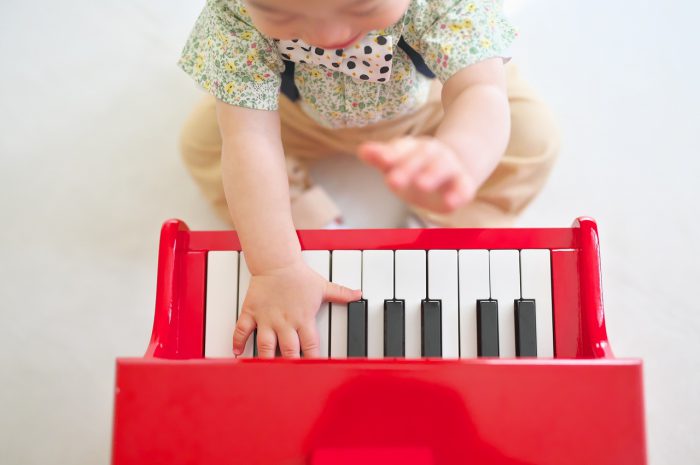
237 352
425 183
369 147
397 180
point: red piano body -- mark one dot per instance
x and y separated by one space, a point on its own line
583 406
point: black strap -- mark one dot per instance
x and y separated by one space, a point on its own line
289 89
417 60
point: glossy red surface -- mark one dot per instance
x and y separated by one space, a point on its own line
167 291
174 407
593 318
566 302
392 239
486 412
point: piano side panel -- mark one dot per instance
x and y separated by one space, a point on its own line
577 298
189 329
178 324
488 412
566 304
172 234
592 310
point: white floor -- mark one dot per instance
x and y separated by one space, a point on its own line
91 106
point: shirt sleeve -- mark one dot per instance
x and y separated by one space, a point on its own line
230 59
453 34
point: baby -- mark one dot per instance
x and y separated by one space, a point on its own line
297 80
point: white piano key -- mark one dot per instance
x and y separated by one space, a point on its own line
473 286
536 281
243 283
320 262
346 271
443 285
410 269
221 304
377 285
505 288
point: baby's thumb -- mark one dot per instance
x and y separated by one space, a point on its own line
340 294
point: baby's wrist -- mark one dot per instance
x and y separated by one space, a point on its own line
262 259
477 156
271 267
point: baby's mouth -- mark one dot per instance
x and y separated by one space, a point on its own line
344 44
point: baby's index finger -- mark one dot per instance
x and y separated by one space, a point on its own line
377 154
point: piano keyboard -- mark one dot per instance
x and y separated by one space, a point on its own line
416 303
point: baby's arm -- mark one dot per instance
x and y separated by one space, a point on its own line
284 293
477 118
444 172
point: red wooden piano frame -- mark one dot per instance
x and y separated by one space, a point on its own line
583 407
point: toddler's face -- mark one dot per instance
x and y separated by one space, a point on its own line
327 24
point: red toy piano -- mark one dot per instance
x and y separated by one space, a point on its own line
469 346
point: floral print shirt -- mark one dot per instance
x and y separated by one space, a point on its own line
232 60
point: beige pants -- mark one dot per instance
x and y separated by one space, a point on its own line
532 150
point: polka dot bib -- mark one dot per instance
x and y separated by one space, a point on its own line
366 60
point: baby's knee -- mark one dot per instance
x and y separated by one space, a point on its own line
535 134
200 140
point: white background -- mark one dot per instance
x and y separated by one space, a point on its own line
91 104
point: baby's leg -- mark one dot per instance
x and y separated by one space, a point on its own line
521 174
200 144
304 140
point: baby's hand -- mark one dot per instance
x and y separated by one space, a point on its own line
282 304
422 171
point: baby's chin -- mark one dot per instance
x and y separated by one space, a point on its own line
355 39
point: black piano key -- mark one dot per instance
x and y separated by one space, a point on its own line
255 343
431 328
394 328
487 328
357 328
525 328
